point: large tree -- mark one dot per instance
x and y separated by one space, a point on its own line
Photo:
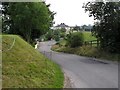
28 19
107 27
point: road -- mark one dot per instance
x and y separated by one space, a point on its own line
84 72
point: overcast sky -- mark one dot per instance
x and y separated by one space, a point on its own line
70 12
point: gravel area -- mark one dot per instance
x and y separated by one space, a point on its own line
67 82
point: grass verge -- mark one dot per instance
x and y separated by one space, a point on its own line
25 67
87 51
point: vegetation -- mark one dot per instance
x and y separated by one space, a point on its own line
75 39
28 19
107 27
25 67
77 28
49 35
88 36
106 30
0 24
59 33
57 38
85 50
52 34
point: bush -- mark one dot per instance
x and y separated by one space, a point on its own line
57 38
49 35
75 39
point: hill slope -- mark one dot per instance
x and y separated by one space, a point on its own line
25 67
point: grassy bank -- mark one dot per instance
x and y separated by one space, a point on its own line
87 51
25 67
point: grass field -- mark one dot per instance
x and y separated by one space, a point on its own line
25 67
88 36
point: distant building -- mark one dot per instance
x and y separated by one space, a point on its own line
67 28
61 26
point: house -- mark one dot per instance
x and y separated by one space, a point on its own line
62 26
67 28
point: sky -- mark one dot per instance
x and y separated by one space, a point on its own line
70 12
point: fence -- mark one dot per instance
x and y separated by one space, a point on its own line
95 43
47 54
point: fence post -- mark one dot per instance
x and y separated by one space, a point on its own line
98 43
91 43
85 43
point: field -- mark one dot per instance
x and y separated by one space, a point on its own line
88 36
25 67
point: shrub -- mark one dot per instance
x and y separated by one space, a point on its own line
49 35
57 38
75 39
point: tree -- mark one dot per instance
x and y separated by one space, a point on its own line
28 19
49 35
5 17
107 27
83 27
56 34
0 23
77 28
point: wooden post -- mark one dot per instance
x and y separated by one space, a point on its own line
97 43
85 43
91 43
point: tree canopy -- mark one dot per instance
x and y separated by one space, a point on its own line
107 27
28 19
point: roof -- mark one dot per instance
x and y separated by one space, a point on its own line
62 25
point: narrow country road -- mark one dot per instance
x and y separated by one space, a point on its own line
84 72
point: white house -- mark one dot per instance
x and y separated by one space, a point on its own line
67 28
61 26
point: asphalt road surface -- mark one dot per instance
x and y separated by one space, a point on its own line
84 72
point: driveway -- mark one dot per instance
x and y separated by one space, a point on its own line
84 72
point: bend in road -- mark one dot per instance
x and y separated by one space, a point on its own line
84 72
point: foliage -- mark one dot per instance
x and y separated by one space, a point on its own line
28 19
77 28
56 35
0 24
86 35
49 35
107 29
75 39
87 51
62 32
57 38
56 32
